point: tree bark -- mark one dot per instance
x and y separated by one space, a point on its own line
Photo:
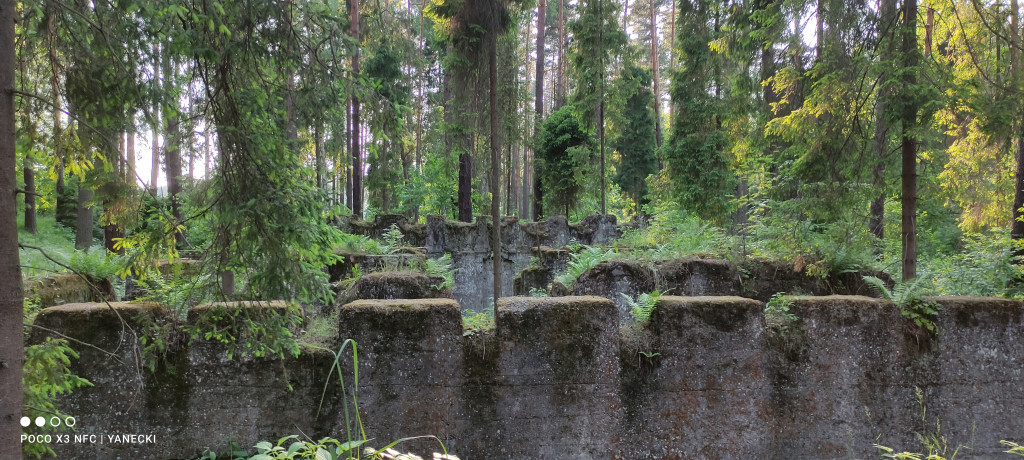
154 174
465 191
83 222
909 146
58 150
357 160
172 147
1016 35
560 80
30 196
886 29
671 60
495 167
12 353
654 69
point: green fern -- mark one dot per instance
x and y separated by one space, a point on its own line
581 262
643 306
441 266
909 296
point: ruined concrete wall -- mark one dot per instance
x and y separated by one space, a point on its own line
558 381
470 247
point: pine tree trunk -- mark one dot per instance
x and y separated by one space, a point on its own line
58 144
12 353
318 155
671 60
130 157
357 160
886 28
560 80
909 146
83 222
30 195
654 68
1017 71
465 191
154 174
172 149
495 166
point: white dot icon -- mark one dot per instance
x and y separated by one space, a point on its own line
40 421
25 421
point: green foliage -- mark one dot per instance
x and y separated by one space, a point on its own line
58 242
1015 448
359 244
597 42
46 377
538 292
695 152
392 239
477 322
673 233
909 297
178 294
936 445
784 232
255 332
98 265
985 267
776 311
643 306
636 144
581 262
563 159
441 266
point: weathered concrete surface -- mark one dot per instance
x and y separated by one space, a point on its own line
756 279
614 278
842 376
702 396
555 382
556 393
67 288
197 398
395 285
409 367
470 247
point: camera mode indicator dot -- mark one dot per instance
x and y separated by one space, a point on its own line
25 422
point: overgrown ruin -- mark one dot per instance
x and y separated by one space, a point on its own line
560 376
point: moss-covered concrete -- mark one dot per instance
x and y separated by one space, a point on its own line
552 381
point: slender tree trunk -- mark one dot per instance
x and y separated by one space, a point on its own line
172 148
600 112
495 167
560 79
154 174
130 157
12 354
58 151
28 172
1017 71
671 60
357 163
886 28
83 223
909 146
318 155
349 134
465 187
654 69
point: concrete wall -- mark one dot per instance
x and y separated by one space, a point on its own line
470 246
557 380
